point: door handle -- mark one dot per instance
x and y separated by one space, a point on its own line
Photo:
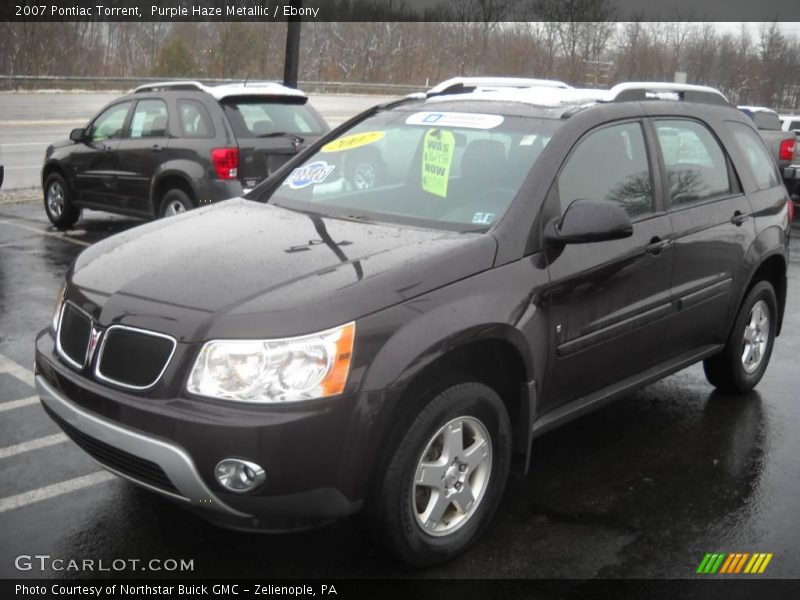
739 217
656 245
156 148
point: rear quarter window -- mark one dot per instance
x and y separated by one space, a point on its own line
759 159
195 122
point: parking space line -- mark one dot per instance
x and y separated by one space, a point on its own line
48 233
51 491
9 366
4 406
43 442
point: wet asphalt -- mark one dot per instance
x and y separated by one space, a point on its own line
644 487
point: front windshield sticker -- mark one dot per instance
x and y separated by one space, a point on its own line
437 156
315 172
455 119
482 218
356 140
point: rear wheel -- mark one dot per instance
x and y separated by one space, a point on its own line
743 361
57 202
175 202
445 479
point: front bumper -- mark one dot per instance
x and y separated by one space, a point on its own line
170 446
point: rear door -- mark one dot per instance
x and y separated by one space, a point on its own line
713 227
269 132
142 152
95 161
609 300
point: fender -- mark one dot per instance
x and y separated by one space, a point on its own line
768 243
187 170
478 309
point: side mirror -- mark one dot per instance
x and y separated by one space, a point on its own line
77 135
587 221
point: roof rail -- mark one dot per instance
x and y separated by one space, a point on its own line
646 90
170 85
465 85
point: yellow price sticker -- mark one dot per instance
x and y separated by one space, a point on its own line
437 156
355 140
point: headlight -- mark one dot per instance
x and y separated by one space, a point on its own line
288 370
59 303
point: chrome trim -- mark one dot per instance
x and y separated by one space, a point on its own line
174 460
128 386
59 350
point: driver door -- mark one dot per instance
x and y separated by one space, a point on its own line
609 301
96 162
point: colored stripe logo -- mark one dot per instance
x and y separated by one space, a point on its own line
734 563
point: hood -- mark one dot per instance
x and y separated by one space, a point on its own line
241 269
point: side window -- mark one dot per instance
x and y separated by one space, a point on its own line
696 165
108 125
149 119
762 165
609 164
194 119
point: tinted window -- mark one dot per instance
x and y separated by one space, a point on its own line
194 119
609 164
108 125
762 166
149 119
255 117
696 165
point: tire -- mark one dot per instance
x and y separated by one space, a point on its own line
174 202
401 514
57 203
743 361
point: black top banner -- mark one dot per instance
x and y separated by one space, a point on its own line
494 11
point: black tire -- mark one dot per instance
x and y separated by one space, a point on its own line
390 517
173 199
726 371
57 202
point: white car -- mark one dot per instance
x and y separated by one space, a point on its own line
790 122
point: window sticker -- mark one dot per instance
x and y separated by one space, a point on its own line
437 156
527 140
356 140
482 218
315 172
455 119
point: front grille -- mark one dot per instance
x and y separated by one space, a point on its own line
137 468
133 358
74 332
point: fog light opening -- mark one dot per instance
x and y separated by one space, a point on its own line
240 476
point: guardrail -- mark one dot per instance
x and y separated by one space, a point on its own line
34 82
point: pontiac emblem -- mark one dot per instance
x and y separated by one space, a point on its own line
94 337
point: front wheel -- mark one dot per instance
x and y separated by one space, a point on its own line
57 203
446 478
743 361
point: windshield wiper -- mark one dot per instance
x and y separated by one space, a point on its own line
295 138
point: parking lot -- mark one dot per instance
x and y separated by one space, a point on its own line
642 488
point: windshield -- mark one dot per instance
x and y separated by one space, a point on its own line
450 170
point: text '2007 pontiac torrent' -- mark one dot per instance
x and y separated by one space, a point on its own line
523 253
